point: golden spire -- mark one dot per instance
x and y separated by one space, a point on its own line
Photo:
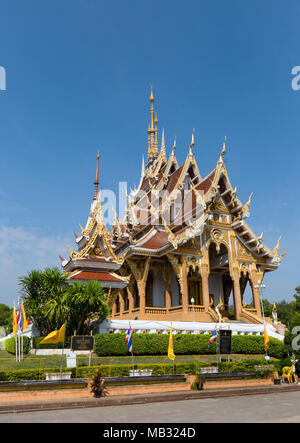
152 107
96 178
152 131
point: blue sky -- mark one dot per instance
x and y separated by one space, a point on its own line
78 79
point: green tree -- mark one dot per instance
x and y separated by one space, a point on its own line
50 300
86 302
40 291
6 317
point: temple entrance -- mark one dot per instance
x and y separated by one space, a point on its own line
195 286
155 289
175 290
220 282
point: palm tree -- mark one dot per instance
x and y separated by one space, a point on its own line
86 302
50 300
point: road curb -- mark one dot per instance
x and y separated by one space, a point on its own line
142 398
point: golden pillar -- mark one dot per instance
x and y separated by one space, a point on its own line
237 293
168 291
255 291
184 286
205 285
122 302
141 284
129 290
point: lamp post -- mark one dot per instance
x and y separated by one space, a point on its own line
193 301
261 287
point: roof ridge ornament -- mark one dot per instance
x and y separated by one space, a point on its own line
192 142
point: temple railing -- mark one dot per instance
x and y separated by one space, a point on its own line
155 310
196 308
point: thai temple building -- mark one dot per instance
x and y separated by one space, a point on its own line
184 251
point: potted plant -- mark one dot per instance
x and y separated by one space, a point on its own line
98 386
198 383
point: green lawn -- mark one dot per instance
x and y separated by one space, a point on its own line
8 361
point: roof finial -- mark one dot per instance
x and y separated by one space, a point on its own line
96 178
223 152
174 146
192 142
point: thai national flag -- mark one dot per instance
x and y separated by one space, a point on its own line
128 339
20 317
213 337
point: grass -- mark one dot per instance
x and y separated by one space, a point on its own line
8 361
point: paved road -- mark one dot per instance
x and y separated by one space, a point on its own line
281 407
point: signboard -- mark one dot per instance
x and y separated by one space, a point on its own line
71 360
82 343
225 341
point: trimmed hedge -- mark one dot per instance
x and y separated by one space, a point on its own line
123 370
184 344
10 345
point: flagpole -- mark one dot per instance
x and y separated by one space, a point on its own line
63 348
15 331
131 348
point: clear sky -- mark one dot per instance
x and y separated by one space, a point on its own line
78 77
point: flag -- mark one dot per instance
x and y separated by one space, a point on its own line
20 318
171 354
25 324
266 339
213 337
15 324
56 336
128 340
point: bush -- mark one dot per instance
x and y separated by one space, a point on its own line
184 344
123 370
10 345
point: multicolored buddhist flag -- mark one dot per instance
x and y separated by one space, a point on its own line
171 354
56 336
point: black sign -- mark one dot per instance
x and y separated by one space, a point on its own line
82 343
225 341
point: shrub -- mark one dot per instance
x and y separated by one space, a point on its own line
123 370
184 344
10 345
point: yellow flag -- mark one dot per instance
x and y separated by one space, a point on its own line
15 326
171 355
25 324
56 336
266 339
